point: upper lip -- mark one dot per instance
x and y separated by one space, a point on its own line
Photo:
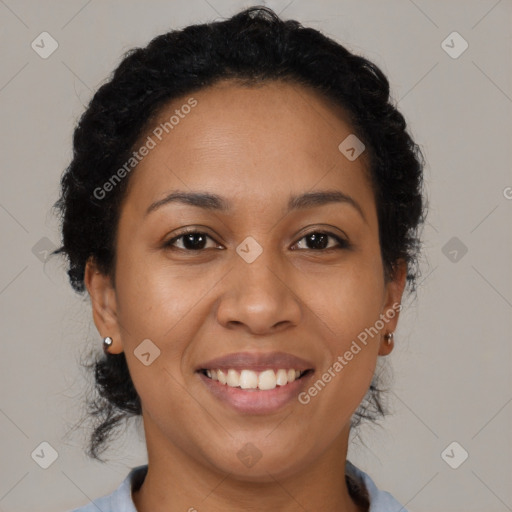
256 361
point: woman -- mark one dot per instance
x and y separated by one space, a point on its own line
242 208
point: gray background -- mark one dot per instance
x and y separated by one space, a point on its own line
452 358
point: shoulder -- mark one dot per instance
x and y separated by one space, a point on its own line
379 501
121 499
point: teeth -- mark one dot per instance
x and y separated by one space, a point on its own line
267 380
282 377
248 379
233 379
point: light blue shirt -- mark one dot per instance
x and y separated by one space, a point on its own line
121 499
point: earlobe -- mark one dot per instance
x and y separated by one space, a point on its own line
387 344
103 303
392 307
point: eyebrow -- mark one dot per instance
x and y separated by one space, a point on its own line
215 202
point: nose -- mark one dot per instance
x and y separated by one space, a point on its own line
259 297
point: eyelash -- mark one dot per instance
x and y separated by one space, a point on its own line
343 244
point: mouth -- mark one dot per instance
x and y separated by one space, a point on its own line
251 392
251 380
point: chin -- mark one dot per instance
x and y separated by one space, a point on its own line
251 464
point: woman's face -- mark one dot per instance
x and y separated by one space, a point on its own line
265 284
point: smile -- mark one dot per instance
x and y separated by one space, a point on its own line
255 392
249 379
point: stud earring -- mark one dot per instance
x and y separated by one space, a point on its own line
389 338
107 343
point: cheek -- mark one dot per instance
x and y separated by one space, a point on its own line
153 295
349 305
334 395
348 299
351 342
157 301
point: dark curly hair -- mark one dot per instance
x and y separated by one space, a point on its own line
252 47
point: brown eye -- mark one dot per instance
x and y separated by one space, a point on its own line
319 241
195 241
191 241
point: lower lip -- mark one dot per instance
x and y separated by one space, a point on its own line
255 401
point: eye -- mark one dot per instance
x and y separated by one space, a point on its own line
320 241
191 241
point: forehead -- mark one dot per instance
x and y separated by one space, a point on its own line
248 142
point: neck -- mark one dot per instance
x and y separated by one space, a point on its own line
175 481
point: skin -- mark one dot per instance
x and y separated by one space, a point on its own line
254 146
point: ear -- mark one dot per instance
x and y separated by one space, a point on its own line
104 304
391 305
